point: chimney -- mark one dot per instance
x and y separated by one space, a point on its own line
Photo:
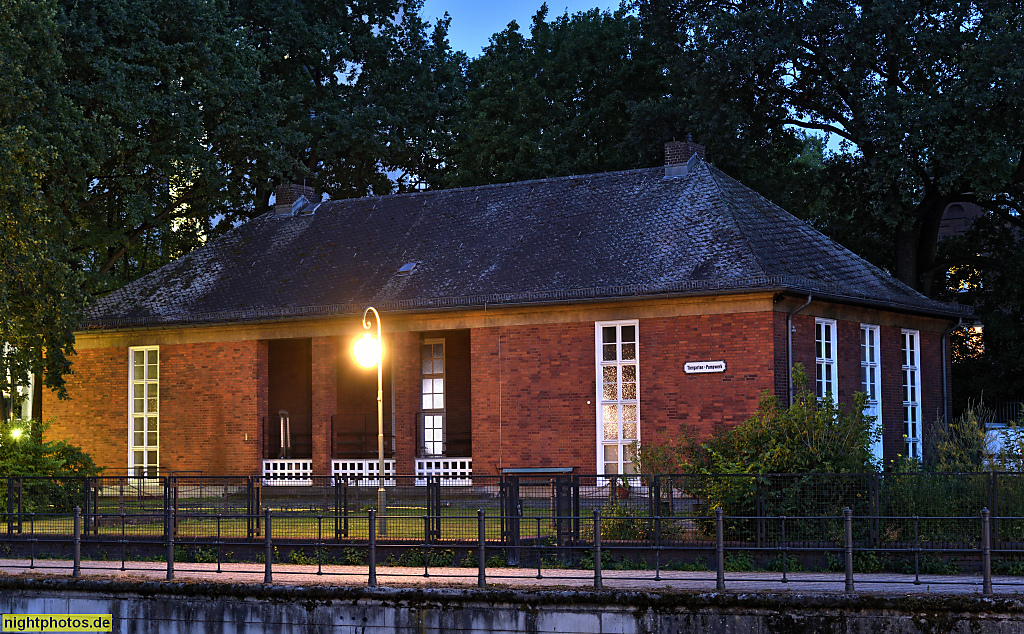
678 156
290 198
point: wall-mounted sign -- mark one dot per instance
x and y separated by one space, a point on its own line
703 367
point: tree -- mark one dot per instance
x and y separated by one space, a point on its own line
568 99
133 130
926 99
40 286
360 92
195 111
926 102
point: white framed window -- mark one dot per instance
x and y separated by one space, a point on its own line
432 396
871 381
825 358
912 392
144 411
618 395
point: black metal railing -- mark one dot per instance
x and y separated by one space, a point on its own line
483 546
901 523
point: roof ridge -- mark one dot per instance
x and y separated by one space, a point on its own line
806 226
730 204
469 188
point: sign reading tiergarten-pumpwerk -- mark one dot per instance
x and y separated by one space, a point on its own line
704 367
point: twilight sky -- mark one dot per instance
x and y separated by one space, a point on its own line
474 22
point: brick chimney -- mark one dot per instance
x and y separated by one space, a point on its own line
288 194
678 152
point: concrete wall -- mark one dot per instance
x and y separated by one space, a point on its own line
201 608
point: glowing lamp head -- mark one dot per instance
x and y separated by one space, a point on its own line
367 351
16 433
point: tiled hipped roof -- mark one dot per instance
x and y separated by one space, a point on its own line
611 235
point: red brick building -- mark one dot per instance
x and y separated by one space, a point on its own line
546 323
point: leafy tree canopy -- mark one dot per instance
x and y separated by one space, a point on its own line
132 130
40 288
926 98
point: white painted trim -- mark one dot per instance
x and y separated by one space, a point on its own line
914 367
831 360
131 402
598 364
874 405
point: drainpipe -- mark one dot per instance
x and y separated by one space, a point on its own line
789 344
945 381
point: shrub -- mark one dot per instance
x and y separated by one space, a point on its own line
961 445
45 465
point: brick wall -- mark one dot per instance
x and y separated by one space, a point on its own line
212 388
530 391
534 393
325 352
671 399
96 416
931 385
405 351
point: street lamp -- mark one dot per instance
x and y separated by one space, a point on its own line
369 353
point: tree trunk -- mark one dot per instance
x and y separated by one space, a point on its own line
906 256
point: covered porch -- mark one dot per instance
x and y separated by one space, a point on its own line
322 408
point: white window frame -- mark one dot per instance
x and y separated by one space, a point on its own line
826 376
436 447
871 381
624 464
148 468
912 424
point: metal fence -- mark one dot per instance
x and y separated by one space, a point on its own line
909 523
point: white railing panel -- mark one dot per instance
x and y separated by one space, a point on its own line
452 471
366 470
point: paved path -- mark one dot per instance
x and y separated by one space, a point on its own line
521 578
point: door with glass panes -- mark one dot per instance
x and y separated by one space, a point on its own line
618 385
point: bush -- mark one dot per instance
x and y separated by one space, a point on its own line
23 453
45 467
620 522
960 445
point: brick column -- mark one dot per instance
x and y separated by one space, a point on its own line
405 363
262 402
484 395
325 400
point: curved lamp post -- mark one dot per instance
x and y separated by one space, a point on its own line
369 353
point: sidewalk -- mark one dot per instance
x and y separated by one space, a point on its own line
520 578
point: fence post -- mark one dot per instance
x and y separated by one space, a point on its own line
481 532
917 554
848 530
372 556
10 505
76 570
85 501
986 552
719 550
268 555
993 510
170 544
598 582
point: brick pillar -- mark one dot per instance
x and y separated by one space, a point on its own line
405 361
485 392
262 402
325 400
